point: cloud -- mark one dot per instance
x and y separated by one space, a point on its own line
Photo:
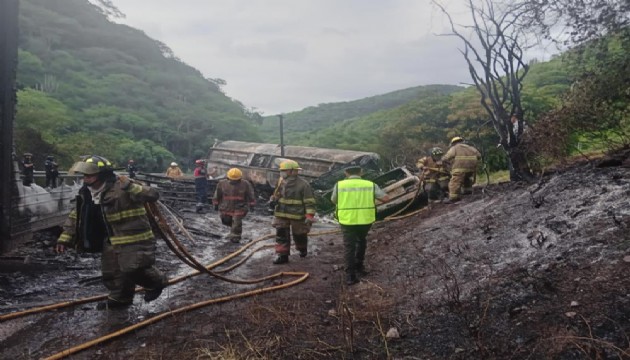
284 55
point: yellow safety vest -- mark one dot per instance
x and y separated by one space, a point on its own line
355 202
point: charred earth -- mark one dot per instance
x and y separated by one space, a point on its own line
516 271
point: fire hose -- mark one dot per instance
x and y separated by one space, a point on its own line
162 228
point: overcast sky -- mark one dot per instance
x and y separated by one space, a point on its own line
279 56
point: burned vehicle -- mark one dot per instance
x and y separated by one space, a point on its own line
402 186
321 167
259 162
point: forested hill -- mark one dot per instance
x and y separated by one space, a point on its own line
323 116
88 85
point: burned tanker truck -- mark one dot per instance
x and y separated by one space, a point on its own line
321 167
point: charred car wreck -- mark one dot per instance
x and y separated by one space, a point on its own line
321 167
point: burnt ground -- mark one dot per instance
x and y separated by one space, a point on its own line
515 271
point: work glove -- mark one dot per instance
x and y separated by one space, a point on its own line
310 219
216 207
272 204
125 183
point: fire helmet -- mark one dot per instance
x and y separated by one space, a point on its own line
173 164
456 139
289 165
92 164
234 174
436 151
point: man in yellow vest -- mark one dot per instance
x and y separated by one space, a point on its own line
356 211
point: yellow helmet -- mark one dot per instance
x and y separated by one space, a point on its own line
91 165
456 139
234 174
289 165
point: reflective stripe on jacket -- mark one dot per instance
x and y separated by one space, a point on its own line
355 202
463 158
234 197
431 170
295 199
122 212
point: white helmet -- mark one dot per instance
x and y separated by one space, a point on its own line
173 163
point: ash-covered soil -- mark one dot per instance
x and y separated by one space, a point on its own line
515 271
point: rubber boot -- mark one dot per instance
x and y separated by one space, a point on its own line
152 294
281 259
351 278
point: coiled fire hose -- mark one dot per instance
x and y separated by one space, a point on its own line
162 228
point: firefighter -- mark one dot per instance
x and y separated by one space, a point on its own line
294 211
27 169
233 197
461 159
52 171
110 217
355 200
201 184
434 176
174 171
131 168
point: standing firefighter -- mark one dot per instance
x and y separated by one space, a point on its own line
434 175
110 217
233 198
293 213
356 212
201 184
174 171
462 161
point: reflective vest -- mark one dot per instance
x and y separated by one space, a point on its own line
355 202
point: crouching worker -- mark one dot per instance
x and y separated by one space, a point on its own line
233 197
110 218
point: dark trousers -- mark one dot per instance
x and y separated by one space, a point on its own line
355 243
201 189
128 265
235 223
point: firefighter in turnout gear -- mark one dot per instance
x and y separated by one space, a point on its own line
294 211
110 217
233 197
433 175
174 171
461 159
355 200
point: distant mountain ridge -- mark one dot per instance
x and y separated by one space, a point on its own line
323 116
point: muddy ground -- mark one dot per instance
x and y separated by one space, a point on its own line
515 271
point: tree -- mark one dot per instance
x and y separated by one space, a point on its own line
497 67
598 105
581 20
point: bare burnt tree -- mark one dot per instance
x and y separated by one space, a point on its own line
497 51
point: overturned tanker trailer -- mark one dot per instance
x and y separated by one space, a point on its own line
259 162
321 167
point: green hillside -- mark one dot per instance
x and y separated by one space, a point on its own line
88 85
323 116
